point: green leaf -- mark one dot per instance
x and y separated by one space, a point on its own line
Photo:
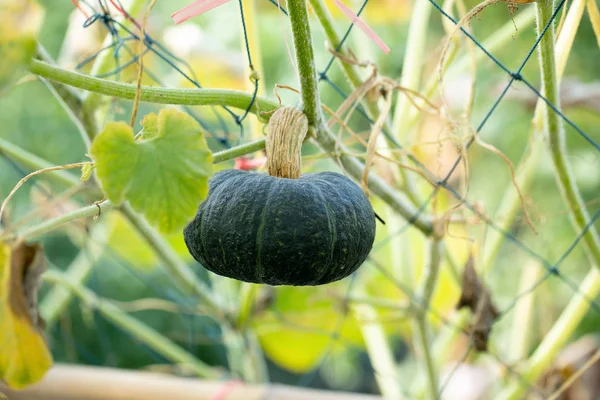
86 172
20 21
165 177
24 356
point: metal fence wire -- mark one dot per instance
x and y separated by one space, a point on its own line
125 38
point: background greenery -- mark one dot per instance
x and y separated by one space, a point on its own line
298 326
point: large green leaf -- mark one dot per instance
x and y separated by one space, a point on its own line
20 21
164 175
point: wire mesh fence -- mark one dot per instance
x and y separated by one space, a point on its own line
125 33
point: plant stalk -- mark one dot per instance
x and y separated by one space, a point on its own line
594 14
520 338
255 70
237 151
326 21
305 58
553 125
151 94
35 232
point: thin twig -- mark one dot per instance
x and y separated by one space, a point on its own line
142 42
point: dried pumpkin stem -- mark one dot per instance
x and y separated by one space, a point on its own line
287 130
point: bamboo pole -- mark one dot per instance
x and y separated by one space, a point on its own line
75 382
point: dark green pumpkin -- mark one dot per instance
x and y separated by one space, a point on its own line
259 228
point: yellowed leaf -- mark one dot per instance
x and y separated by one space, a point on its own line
24 356
299 329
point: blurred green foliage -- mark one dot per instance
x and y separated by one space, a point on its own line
30 117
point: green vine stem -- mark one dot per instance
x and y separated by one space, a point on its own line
66 97
557 337
305 57
204 97
590 288
326 21
137 329
424 294
411 78
556 135
238 151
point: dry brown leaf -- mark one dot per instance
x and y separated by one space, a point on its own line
475 296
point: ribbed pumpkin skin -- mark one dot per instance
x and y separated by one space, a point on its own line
261 229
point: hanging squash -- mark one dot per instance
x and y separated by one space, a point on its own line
282 228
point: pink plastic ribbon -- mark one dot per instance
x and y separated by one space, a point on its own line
196 8
364 27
